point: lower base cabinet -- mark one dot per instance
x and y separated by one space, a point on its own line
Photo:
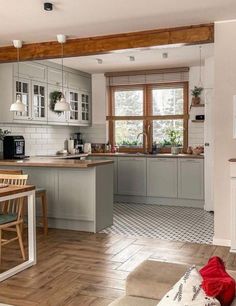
158 178
132 176
191 178
162 178
114 168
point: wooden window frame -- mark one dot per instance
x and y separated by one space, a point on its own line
147 116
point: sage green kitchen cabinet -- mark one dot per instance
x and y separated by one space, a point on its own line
55 117
36 81
132 176
162 177
191 178
114 168
55 77
31 70
39 107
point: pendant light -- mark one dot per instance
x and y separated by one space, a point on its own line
61 105
18 106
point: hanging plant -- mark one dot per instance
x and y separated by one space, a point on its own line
54 97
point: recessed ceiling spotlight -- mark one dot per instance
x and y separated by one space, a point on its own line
48 6
99 61
164 55
132 58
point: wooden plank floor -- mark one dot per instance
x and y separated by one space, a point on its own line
76 268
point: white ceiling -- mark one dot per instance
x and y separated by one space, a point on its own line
26 19
144 59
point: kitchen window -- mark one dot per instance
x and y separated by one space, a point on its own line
149 109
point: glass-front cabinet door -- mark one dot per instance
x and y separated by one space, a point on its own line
22 89
85 107
39 103
74 105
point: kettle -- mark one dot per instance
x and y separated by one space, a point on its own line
87 148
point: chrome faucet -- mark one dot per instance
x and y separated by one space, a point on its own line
146 141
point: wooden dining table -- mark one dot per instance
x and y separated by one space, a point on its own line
14 192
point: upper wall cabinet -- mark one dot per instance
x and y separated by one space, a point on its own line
55 77
31 70
35 83
76 81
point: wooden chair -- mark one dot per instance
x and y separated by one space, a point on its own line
11 216
40 193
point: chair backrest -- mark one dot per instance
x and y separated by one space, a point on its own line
11 171
14 206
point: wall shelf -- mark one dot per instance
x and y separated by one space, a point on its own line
197 105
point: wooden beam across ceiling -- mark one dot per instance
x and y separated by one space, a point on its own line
195 34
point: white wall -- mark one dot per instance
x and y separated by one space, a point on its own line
196 130
97 133
40 139
224 144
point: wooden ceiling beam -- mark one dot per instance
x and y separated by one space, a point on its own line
196 34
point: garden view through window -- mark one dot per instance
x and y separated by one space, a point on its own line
153 110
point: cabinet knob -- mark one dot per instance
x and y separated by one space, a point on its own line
206 144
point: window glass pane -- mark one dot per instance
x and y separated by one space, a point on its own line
126 132
161 128
168 101
128 102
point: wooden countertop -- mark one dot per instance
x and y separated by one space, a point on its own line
55 163
13 189
161 155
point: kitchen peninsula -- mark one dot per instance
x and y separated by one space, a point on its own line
80 192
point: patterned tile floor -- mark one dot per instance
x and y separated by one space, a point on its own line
163 222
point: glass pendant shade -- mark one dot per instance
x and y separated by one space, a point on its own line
17 106
62 105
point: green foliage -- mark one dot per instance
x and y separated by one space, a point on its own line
126 142
54 97
174 138
4 133
196 92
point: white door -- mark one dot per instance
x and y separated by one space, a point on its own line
208 151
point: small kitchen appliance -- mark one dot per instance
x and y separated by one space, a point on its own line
78 142
14 147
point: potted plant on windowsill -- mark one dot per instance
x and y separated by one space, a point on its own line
196 93
3 133
174 139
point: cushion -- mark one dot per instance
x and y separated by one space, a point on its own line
152 279
7 218
187 291
234 302
133 301
217 282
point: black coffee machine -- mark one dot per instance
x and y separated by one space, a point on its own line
14 147
78 141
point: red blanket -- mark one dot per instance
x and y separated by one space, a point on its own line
217 282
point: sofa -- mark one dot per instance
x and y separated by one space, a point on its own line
150 281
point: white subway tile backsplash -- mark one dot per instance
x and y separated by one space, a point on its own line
41 140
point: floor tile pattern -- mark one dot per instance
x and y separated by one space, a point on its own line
163 222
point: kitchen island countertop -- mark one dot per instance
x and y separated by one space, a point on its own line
54 163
